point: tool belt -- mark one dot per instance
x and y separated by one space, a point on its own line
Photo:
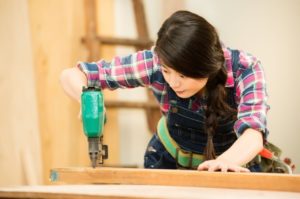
184 158
187 159
270 161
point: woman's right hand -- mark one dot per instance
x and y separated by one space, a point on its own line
72 81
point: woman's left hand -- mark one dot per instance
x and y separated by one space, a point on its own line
221 165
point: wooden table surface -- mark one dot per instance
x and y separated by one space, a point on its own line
138 191
190 178
89 183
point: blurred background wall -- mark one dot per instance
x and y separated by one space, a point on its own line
39 127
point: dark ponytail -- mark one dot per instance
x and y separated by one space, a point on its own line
190 45
217 107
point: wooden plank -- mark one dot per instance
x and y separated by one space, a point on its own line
106 175
137 191
121 41
153 115
141 22
111 136
91 29
56 29
19 143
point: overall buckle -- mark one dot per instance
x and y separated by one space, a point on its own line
190 163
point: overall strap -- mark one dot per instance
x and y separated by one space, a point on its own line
235 58
235 66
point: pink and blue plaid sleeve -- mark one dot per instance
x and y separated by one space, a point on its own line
252 96
129 71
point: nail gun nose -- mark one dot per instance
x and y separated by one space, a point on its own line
94 150
94 158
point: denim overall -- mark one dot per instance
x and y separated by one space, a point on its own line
186 127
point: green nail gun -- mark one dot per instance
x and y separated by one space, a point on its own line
93 119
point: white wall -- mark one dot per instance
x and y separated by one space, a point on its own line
269 29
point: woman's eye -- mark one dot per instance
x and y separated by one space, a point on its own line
182 76
164 71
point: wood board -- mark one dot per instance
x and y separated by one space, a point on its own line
106 175
137 191
56 45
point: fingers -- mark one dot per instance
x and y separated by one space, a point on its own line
239 169
217 165
203 166
289 162
224 168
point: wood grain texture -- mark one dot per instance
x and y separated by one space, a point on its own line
55 35
138 191
20 152
257 181
111 136
56 31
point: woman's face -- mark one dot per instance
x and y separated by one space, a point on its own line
183 86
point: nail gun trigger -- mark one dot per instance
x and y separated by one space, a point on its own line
105 151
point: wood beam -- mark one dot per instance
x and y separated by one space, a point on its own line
106 175
153 115
91 29
120 41
136 191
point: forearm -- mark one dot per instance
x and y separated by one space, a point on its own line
247 146
72 80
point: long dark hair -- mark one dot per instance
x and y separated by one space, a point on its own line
190 45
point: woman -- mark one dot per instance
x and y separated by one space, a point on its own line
213 98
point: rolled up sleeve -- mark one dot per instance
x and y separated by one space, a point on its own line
252 96
91 71
129 71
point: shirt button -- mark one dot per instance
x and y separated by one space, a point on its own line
174 110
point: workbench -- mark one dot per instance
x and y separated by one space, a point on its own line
122 183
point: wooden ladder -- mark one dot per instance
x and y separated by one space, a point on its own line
93 42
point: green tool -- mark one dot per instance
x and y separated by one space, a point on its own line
93 120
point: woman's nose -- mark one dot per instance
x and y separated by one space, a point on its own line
174 81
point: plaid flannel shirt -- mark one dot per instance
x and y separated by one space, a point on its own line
143 68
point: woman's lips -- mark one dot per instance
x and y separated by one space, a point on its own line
179 92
